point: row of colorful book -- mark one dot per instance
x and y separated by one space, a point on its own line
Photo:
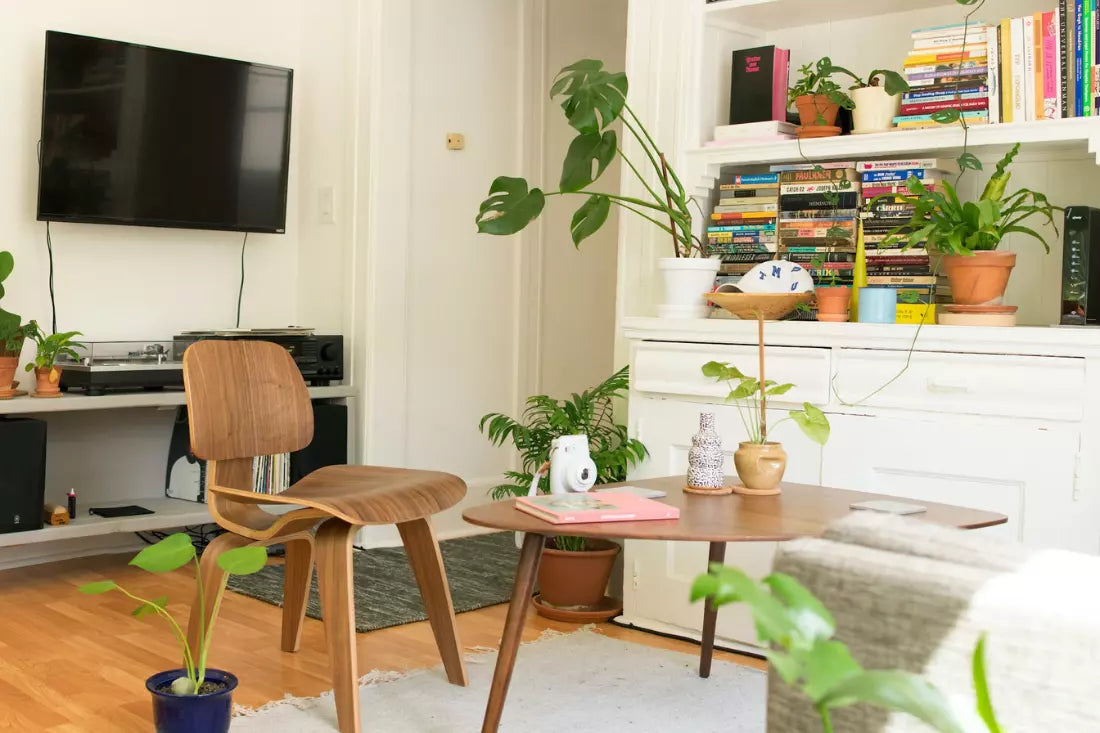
271 474
742 229
1041 66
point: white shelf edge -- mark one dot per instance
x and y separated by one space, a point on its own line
1077 133
74 402
167 513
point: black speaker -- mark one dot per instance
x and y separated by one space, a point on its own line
330 441
23 478
1081 267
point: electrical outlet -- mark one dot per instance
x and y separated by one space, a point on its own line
456 141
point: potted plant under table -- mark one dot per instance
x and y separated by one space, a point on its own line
593 100
47 373
573 571
195 699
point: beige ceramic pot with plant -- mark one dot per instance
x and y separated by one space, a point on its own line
761 462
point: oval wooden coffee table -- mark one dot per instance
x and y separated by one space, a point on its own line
799 511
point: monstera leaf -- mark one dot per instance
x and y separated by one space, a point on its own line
589 218
585 150
593 97
510 207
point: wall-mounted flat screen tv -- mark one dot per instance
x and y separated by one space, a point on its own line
139 135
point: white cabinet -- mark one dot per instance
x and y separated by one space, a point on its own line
1023 470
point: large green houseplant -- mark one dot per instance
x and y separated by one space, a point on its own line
614 452
196 697
968 233
594 100
11 330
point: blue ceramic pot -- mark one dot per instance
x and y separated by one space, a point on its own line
192 713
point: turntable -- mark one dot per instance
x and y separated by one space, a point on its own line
121 365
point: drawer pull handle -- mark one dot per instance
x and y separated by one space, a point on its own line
934 385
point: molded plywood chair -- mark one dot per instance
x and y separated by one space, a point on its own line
246 399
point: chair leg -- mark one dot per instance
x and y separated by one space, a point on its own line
211 582
427 565
334 578
298 573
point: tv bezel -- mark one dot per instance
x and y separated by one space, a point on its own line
167 223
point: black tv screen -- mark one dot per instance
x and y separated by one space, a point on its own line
139 135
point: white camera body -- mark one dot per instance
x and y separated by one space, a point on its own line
571 466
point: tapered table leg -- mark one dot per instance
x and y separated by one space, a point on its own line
526 572
710 614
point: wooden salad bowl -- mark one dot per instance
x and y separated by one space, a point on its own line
769 306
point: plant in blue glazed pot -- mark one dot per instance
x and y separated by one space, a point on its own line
194 699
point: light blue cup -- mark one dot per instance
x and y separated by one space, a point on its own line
878 305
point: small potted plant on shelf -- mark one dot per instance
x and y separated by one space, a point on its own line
11 334
760 462
968 233
46 372
593 99
194 698
574 571
876 99
818 99
833 299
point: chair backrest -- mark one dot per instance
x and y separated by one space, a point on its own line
244 399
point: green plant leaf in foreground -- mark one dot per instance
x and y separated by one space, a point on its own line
510 206
594 98
828 664
98 587
171 553
588 219
146 609
981 688
243 560
896 690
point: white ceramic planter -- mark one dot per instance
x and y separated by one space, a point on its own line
875 110
686 279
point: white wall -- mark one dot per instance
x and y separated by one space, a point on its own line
577 328
143 283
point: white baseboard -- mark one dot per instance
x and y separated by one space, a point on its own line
681 632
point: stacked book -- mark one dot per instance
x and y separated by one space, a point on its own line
950 68
743 225
818 211
891 262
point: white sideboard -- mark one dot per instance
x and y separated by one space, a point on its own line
996 419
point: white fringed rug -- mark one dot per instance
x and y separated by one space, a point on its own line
581 681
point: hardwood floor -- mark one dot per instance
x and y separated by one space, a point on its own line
71 663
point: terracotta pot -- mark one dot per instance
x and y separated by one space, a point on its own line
833 303
760 467
811 105
979 279
47 380
576 578
8 365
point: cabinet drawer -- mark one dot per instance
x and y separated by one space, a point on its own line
977 384
675 369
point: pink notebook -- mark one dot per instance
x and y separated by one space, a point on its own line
606 506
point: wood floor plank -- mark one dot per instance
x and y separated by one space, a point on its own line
90 657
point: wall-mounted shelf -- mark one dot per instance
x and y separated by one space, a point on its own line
75 401
1069 137
768 15
166 513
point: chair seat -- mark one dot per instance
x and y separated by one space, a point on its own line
367 494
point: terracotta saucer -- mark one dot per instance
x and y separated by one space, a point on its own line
954 308
45 396
7 394
818 131
607 608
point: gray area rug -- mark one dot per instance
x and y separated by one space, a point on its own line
563 682
480 570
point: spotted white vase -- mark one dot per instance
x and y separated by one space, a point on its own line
705 459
